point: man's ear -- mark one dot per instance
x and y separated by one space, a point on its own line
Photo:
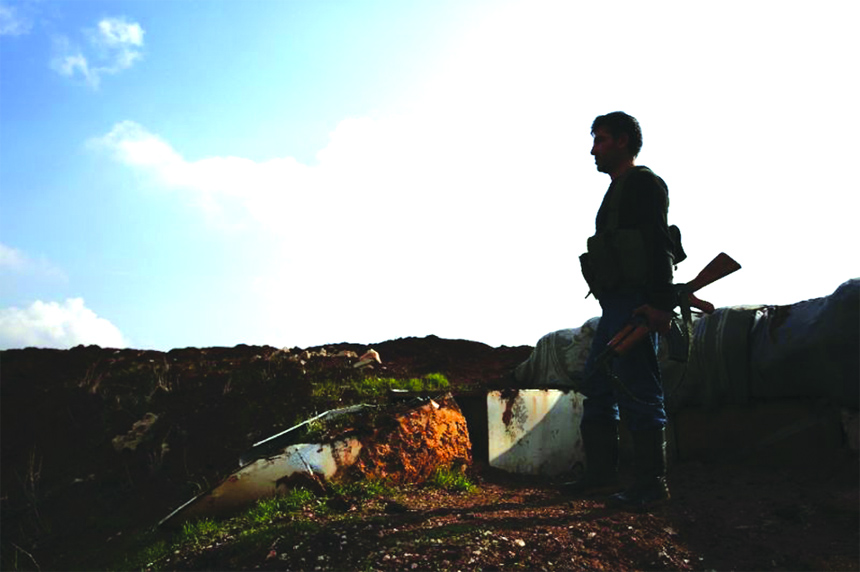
623 141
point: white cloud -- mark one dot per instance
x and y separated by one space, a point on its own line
135 146
119 33
55 325
120 43
71 64
418 173
18 263
12 22
419 220
114 45
11 258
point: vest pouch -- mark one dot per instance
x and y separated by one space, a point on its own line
618 258
588 274
678 254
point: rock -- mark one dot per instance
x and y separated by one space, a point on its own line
421 440
140 432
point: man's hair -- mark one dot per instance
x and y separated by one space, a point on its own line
617 123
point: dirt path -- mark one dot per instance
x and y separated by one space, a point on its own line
721 518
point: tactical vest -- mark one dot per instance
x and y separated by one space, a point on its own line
618 258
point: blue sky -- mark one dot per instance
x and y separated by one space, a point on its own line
181 173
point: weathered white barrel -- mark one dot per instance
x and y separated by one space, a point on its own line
535 431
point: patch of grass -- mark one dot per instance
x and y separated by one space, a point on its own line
435 382
146 551
363 489
209 544
271 509
152 554
360 389
199 532
451 480
256 525
258 540
330 394
254 529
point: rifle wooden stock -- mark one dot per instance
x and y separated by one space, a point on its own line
702 305
720 267
629 336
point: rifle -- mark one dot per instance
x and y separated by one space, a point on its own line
638 327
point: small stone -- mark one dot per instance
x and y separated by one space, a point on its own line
520 542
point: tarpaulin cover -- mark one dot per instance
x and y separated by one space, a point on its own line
718 368
809 349
558 359
804 350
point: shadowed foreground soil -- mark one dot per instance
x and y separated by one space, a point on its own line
70 500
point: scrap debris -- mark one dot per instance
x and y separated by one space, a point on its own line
367 359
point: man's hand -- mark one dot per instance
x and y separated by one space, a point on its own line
658 320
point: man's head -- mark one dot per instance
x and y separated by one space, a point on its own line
617 141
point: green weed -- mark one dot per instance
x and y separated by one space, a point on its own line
256 527
151 555
368 388
145 551
451 480
435 382
363 489
199 532
278 507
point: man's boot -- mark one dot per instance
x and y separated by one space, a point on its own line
649 458
600 440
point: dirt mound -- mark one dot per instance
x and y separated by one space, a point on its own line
64 485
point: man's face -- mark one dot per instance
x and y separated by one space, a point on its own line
609 152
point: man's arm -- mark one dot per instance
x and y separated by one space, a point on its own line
651 214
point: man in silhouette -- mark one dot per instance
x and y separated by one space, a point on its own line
628 268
